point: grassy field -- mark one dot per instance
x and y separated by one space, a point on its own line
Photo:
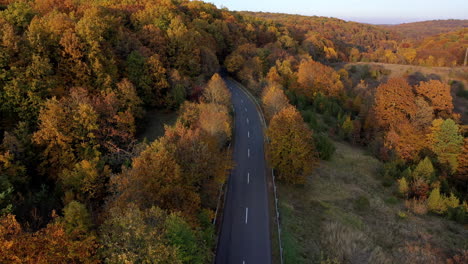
345 215
153 124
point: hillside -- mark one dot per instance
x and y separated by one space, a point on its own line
423 29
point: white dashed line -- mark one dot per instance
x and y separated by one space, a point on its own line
248 153
245 109
248 134
247 120
248 177
246 214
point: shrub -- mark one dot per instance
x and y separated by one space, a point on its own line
419 188
436 203
362 204
458 214
402 215
403 187
324 146
424 170
416 206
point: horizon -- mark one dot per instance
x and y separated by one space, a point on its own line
362 11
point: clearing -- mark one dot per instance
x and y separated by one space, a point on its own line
344 214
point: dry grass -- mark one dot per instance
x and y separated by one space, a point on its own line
344 213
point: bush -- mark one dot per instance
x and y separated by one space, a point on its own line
458 214
416 206
402 215
362 204
324 146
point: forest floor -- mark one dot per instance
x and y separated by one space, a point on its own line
345 212
153 124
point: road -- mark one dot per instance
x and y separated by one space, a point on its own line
245 231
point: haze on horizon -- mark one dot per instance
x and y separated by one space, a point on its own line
364 11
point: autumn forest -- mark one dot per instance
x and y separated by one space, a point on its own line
79 79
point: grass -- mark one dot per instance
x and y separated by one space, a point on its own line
344 214
154 122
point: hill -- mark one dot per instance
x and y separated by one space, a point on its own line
423 29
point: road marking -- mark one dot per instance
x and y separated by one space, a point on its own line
248 134
242 101
248 153
247 120
243 262
245 109
248 177
246 214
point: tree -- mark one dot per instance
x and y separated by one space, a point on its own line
436 202
437 94
462 172
403 187
424 114
131 235
446 142
51 244
394 103
76 218
314 77
424 170
217 92
291 150
67 129
156 179
405 140
214 119
273 100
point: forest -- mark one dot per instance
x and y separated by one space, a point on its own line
77 78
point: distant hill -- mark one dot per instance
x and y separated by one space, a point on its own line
343 34
420 30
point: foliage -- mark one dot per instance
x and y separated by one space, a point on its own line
273 100
324 146
403 187
291 150
446 142
314 77
51 244
217 92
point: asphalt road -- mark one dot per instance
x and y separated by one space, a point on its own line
245 231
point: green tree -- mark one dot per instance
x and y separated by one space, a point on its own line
76 218
424 170
446 142
131 235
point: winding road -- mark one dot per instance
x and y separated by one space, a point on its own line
245 231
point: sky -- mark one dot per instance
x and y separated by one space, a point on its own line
365 11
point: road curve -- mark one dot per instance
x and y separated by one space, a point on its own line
245 231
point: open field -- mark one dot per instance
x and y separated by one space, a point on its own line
344 213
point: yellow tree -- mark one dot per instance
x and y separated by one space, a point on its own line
273 100
314 77
156 179
217 92
291 150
